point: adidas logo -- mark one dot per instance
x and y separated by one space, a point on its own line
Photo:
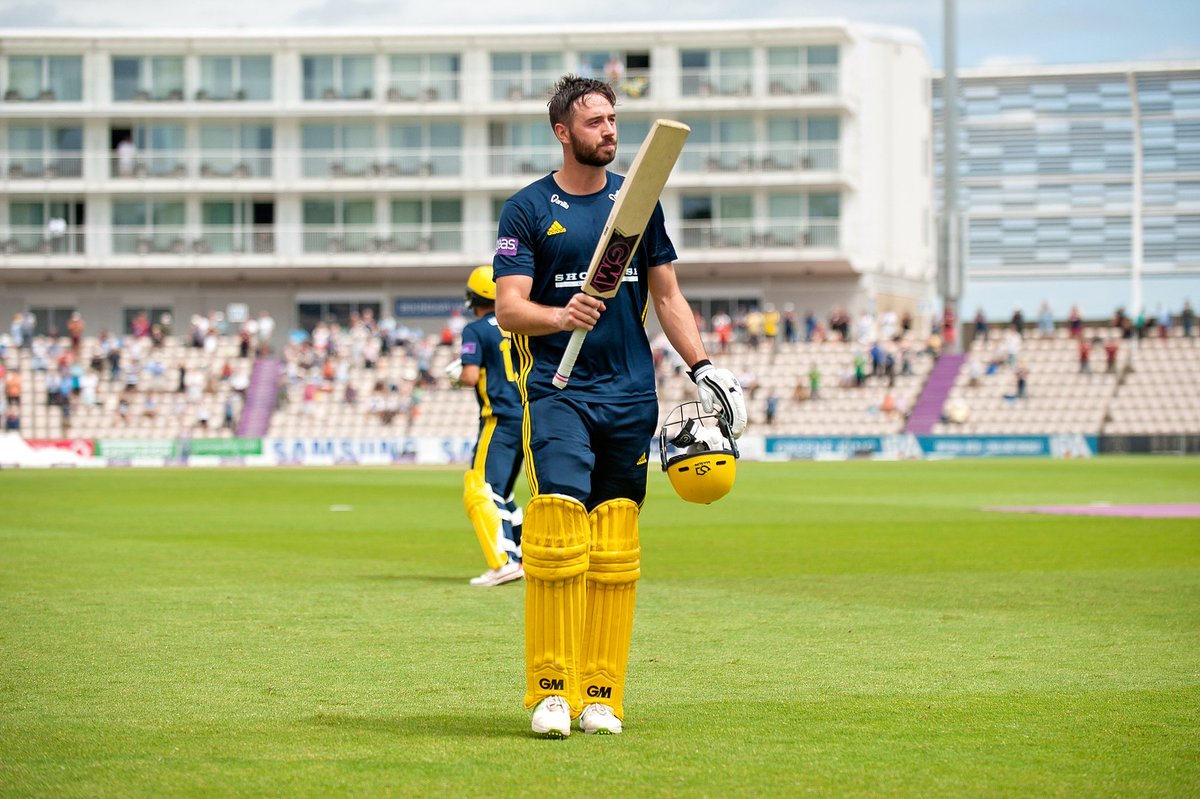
641 460
555 229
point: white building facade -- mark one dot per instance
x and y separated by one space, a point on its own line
1079 185
312 174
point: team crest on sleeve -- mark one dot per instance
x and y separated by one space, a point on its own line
506 245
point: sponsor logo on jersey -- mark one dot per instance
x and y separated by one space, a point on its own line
567 280
641 460
468 348
555 229
556 200
506 245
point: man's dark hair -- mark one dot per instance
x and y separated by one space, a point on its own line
569 90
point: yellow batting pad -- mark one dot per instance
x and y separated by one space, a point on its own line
614 566
485 518
554 547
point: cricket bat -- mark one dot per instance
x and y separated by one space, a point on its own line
626 223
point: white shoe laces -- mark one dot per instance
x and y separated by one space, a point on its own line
556 704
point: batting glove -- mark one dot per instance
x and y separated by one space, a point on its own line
454 371
718 390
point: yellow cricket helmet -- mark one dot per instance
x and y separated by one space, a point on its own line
481 287
698 453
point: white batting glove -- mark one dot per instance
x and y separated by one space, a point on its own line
454 371
718 390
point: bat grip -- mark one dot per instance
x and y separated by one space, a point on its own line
567 364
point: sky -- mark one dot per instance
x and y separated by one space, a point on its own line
991 32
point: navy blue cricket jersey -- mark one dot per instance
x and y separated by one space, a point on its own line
485 345
550 235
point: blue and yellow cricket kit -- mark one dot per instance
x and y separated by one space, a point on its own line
488 486
586 446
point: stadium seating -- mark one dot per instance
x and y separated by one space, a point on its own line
1160 390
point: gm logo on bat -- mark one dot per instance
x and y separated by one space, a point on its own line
612 265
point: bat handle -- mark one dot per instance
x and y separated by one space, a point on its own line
567 364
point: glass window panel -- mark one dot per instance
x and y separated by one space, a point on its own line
693 59
783 57
785 206
26 214
823 205
823 128
68 139
126 77
128 214
168 76
697 208
358 212
827 56
169 213
217 213
445 211
216 77
25 76
66 77
783 130
407 212
256 137
358 137
319 212
506 62
318 76
443 63
357 76
405 137
317 137
738 59
217 137
166 137
737 130
25 139
737 207
408 64
445 135
255 81
546 62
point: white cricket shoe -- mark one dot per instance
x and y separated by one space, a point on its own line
599 719
552 717
505 574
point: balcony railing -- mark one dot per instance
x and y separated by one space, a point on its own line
370 239
380 163
712 82
430 89
712 234
523 85
52 164
524 160
182 240
804 80
24 240
758 157
194 163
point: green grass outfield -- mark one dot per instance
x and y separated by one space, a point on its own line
853 629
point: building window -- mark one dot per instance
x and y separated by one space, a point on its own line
802 143
45 226
717 221
627 71
237 225
719 72
346 150
804 219
245 77
50 320
148 226
232 150
522 148
334 312
719 144
424 76
44 151
147 78
427 224
802 70
57 78
148 151
338 77
424 149
522 76
339 225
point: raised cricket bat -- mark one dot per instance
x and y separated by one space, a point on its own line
626 223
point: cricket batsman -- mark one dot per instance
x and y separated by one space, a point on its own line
587 446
